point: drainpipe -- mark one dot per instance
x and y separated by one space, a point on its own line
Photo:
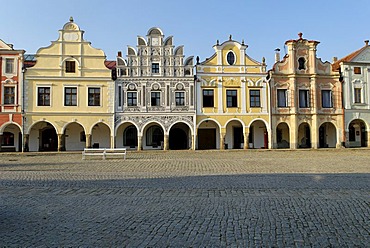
343 109
24 148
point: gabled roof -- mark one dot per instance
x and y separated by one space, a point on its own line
110 64
348 58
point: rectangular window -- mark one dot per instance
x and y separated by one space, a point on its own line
304 99
155 99
9 95
131 98
70 96
119 96
8 139
180 98
357 95
357 70
282 98
70 66
255 98
9 65
326 98
43 96
231 99
208 99
94 96
155 67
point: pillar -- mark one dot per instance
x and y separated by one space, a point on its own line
139 142
111 141
368 138
246 138
88 140
192 147
1 140
222 141
26 143
165 142
60 142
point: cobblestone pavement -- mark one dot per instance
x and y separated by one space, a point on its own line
254 198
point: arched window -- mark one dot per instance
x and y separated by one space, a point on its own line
230 58
130 136
301 63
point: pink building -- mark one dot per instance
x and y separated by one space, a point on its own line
306 102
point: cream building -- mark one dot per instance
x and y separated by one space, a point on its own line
306 102
232 100
355 75
69 96
155 101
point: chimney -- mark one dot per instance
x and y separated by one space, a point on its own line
119 54
366 42
277 55
335 59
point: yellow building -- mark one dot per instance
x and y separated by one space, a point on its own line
69 96
232 100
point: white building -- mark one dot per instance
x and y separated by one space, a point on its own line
155 102
355 73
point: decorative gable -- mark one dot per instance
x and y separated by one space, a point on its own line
364 56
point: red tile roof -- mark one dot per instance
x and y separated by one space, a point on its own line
348 58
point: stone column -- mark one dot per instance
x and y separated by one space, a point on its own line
88 140
314 132
60 142
246 138
192 147
368 138
112 142
139 142
222 141
26 144
165 142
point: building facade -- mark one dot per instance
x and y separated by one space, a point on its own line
155 100
11 77
355 75
232 100
69 96
306 101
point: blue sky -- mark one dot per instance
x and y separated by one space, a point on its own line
341 26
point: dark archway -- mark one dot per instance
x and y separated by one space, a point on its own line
130 136
48 139
304 135
154 136
357 134
327 135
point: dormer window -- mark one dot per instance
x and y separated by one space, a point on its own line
70 66
301 63
230 58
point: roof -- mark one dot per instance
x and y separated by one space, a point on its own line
110 64
348 58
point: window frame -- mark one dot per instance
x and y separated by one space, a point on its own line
357 95
301 63
40 102
180 98
5 94
357 70
285 91
12 65
156 98
227 58
208 99
255 99
68 66
94 96
306 98
131 98
328 93
231 98
155 68
70 94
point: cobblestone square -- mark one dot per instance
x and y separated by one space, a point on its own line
238 198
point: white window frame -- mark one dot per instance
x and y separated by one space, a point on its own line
286 98
64 98
101 96
227 62
15 67
37 95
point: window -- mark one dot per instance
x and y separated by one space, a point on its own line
304 99
255 98
357 95
70 96
180 98
9 65
132 98
230 58
231 99
119 96
9 95
282 98
8 139
94 96
155 67
70 66
208 99
155 98
43 96
301 63
357 70
326 98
